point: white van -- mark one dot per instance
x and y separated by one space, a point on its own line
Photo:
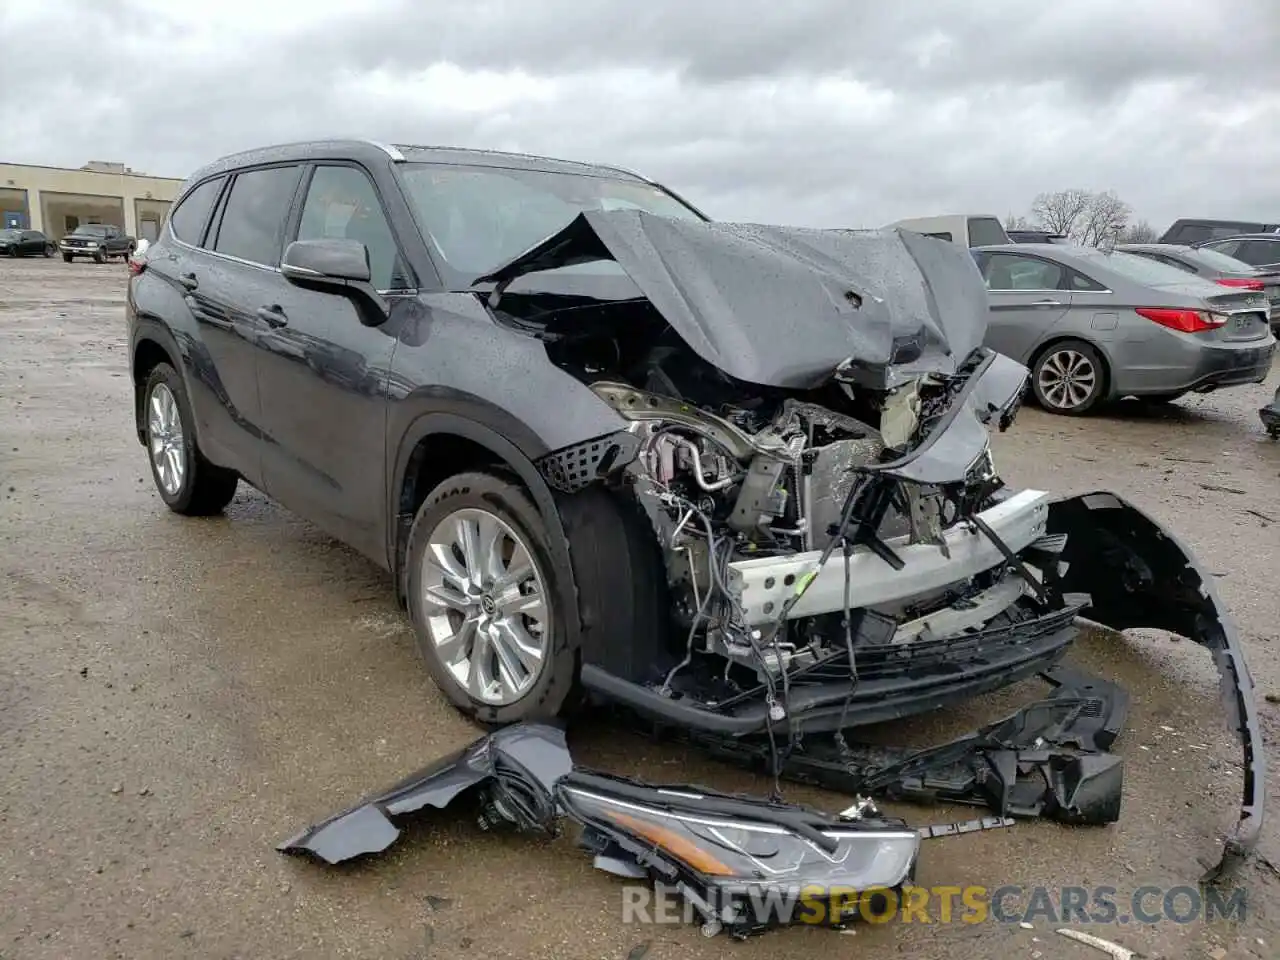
966 229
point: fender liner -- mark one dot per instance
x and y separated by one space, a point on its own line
1138 574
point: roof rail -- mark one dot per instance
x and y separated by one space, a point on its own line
395 155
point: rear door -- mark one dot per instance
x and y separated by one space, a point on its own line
1028 296
220 376
235 271
323 369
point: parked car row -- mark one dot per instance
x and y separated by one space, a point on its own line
1095 325
99 242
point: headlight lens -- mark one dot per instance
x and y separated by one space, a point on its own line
734 855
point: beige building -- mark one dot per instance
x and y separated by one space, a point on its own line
56 200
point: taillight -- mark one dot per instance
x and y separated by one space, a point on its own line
1242 283
136 266
1184 321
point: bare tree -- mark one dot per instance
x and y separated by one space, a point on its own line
1140 232
1015 222
1061 211
1091 219
1104 220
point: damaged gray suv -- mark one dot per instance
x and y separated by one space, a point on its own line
734 479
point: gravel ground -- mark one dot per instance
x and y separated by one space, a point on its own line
176 696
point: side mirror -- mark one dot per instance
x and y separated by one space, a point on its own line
340 266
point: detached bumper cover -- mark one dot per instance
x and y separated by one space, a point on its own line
1140 575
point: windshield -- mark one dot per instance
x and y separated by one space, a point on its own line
478 218
1215 260
8 234
91 229
1134 267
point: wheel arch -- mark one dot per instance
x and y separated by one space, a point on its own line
152 345
439 444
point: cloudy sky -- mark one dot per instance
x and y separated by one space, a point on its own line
813 112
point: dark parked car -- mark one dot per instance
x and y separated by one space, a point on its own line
1261 250
25 243
1210 263
101 241
1037 236
608 447
1193 231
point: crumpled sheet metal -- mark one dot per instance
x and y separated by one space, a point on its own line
784 305
1139 575
536 752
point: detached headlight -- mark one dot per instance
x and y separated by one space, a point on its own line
742 863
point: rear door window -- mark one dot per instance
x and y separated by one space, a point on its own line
189 217
253 218
1257 252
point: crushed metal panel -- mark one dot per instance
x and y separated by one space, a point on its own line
784 305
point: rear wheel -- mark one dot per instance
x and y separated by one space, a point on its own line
1069 378
186 482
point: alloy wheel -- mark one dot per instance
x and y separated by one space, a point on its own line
485 604
164 432
1067 379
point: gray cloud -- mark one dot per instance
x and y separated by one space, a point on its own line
824 112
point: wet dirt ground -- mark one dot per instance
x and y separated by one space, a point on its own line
177 696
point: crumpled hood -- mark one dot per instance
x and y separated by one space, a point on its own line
784 306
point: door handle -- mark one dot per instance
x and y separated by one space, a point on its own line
273 316
189 281
1046 303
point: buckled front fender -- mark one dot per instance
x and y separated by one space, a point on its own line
1138 574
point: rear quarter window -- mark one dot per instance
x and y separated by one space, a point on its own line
188 218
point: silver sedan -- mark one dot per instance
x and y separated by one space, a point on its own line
1096 326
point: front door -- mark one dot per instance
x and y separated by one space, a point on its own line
322 372
1027 297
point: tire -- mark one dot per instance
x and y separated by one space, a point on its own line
201 489
1074 360
601 602
49 249
99 256
66 258
13 252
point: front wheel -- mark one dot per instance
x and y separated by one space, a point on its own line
487 604
49 250
186 482
1069 378
66 258
100 257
